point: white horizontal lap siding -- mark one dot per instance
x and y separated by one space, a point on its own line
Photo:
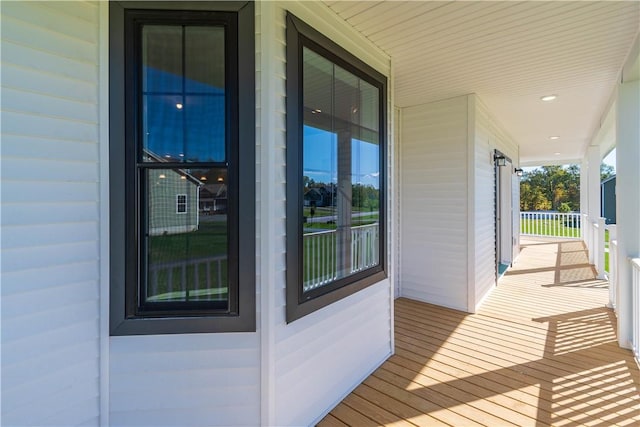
322 356
329 352
489 135
185 380
433 203
50 221
189 379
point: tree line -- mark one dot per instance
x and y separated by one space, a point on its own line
554 188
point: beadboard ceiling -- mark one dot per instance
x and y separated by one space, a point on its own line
510 54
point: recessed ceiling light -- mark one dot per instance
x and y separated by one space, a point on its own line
548 98
557 154
179 106
554 137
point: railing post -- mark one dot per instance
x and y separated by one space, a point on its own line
613 267
613 275
593 242
600 251
584 229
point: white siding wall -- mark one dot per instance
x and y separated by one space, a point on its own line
191 379
185 380
433 203
51 224
489 136
324 355
50 220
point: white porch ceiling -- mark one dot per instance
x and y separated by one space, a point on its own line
510 54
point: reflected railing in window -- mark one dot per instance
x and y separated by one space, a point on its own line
202 279
321 257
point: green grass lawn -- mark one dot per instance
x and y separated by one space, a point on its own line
209 240
207 281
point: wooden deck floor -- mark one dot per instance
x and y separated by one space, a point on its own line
541 351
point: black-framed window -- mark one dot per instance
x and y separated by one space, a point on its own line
336 163
182 138
181 203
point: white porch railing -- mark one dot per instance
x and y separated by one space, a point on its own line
635 295
169 281
320 261
612 270
551 224
596 245
321 257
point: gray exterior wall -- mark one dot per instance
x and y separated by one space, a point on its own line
608 200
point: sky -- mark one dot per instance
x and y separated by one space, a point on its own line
610 159
320 158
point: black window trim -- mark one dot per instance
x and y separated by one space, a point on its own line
299 304
243 318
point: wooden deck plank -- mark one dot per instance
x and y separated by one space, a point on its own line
517 351
331 421
375 411
441 407
403 406
542 350
350 416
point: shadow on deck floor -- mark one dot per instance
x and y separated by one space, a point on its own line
542 350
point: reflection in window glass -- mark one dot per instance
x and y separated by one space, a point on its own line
183 96
181 203
341 173
186 248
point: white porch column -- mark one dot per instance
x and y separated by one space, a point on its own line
594 159
628 199
584 199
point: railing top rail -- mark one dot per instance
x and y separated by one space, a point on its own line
320 232
186 262
550 213
375 224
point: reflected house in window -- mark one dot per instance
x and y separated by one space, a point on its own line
173 196
213 198
184 120
319 196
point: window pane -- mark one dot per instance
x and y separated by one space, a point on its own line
204 119
186 251
163 127
317 78
204 60
162 58
183 74
341 173
181 203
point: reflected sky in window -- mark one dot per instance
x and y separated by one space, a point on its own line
320 158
